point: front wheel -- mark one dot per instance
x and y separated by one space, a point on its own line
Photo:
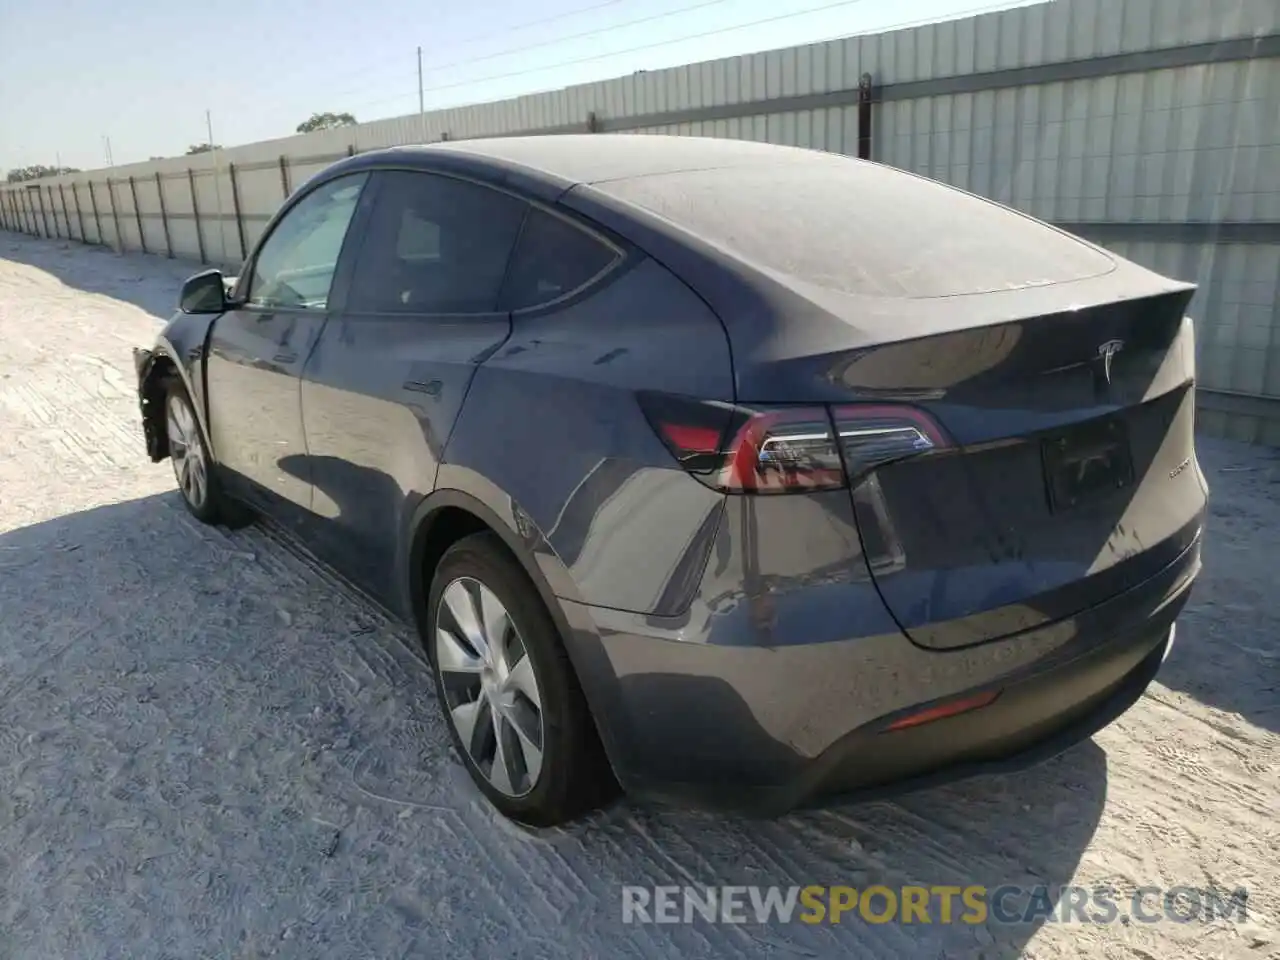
509 695
192 465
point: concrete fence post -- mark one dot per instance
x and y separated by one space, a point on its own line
97 220
164 217
75 197
66 212
53 214
195 212
137 214
44 216
115 216
235 207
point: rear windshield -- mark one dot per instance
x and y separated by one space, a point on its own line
863 229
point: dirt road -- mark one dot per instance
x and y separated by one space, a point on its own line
210 748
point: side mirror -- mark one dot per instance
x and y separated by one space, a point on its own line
204 293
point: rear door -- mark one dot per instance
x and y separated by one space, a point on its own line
388 375
257 350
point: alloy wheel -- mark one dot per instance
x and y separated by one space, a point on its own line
186 451
490 688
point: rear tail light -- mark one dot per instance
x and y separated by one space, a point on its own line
767 450
872 435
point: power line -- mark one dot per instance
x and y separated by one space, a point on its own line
579 36
594 32
988 8
638 49
543 21
538 23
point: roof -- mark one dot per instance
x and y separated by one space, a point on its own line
597 158
817 219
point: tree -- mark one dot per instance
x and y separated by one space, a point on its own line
203 148
36 171
326 121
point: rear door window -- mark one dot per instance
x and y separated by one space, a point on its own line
434 245
553 259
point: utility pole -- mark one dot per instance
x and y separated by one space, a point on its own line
106 148
422 110
217 185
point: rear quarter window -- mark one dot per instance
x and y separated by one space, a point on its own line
553 258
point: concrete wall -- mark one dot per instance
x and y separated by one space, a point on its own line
1150 126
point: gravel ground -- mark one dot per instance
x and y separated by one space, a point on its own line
210 748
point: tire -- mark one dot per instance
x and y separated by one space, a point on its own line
573 776
193 465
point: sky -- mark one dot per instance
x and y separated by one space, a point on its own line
142 73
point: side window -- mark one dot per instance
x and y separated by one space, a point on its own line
553 258
295 266
434 245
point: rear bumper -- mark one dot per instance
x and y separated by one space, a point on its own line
765 730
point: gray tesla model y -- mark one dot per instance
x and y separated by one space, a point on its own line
719 472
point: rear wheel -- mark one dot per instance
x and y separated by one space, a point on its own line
507 690
192 465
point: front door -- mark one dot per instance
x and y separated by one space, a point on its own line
385 383
258 348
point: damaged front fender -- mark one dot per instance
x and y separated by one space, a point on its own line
150 372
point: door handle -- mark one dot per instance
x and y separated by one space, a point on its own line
285 358
431 388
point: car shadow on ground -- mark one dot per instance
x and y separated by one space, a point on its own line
208 743
148 281
1227 655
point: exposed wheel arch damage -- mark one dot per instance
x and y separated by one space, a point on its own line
152 376
178 352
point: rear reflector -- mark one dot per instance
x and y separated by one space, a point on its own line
768 450
943 710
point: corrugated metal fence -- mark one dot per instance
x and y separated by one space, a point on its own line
1150 126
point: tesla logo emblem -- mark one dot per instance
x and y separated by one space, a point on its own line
1105 353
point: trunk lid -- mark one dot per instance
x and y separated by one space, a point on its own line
1070 477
